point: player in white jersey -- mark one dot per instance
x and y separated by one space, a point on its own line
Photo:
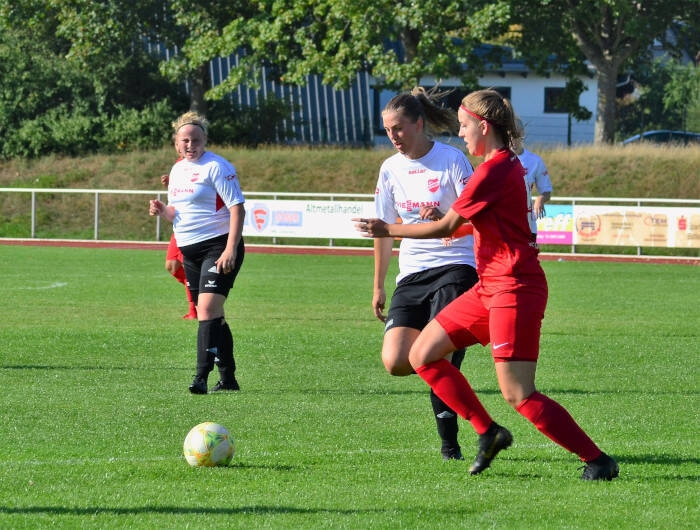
419 184
536 176
206 207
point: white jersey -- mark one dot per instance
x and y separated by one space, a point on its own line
536 176
202 191
436 180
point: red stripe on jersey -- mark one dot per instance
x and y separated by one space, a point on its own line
219 203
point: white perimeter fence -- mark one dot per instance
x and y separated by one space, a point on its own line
570 221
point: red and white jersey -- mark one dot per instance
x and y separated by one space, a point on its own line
536 176
436 180
202 191
495 201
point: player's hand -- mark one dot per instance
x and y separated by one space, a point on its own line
378 303
538 207
430 212
371 227
156 207
165 180
226 262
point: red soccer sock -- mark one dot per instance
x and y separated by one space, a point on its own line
453 388
179 275
193 308
555 422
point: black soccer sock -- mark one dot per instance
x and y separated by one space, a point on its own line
226 363
446 420
457 358
445 417
208 341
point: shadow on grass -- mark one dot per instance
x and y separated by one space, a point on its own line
662 459
174 510
669 461
481 391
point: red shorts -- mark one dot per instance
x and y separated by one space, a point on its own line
510 320
173 252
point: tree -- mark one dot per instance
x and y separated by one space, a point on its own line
105 36
193 26
683 90
607 32
570 102
74 80
338 38
664 97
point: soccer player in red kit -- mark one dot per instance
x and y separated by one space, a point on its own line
173 263
506 307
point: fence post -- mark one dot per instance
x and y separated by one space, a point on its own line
33 214
573 235
97 215
639 249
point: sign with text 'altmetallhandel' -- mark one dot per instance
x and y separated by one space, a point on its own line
300 218
646 226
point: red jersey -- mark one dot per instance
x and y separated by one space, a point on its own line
495 201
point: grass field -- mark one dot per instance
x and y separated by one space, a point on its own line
96 362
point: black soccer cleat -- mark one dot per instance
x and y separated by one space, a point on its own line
225 386
491 443
602 468
452 453
198 385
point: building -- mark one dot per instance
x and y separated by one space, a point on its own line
324 115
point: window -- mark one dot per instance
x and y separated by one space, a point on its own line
503 91
553 100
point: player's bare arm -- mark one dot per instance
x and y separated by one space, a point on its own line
158 208
445 227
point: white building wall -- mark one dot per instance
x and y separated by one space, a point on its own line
528 98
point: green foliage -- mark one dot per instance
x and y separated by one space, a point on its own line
95 405
335 39
607 32
665 92
683 90
71 68
249 126
77 131
59 130
133 129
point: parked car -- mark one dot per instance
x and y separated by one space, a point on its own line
665 137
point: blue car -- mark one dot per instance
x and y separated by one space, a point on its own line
665 137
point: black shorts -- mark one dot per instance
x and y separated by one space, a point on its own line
198 260
420 296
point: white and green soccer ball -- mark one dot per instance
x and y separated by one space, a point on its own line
207 445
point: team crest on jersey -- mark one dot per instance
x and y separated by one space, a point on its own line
433 185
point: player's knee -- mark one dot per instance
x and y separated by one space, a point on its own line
511 399
397 365
514 396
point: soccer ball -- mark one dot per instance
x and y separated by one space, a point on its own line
207 445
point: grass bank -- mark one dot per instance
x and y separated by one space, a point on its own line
611 171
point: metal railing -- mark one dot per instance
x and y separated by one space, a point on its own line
98 194
160 195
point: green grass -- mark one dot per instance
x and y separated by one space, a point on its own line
96 362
